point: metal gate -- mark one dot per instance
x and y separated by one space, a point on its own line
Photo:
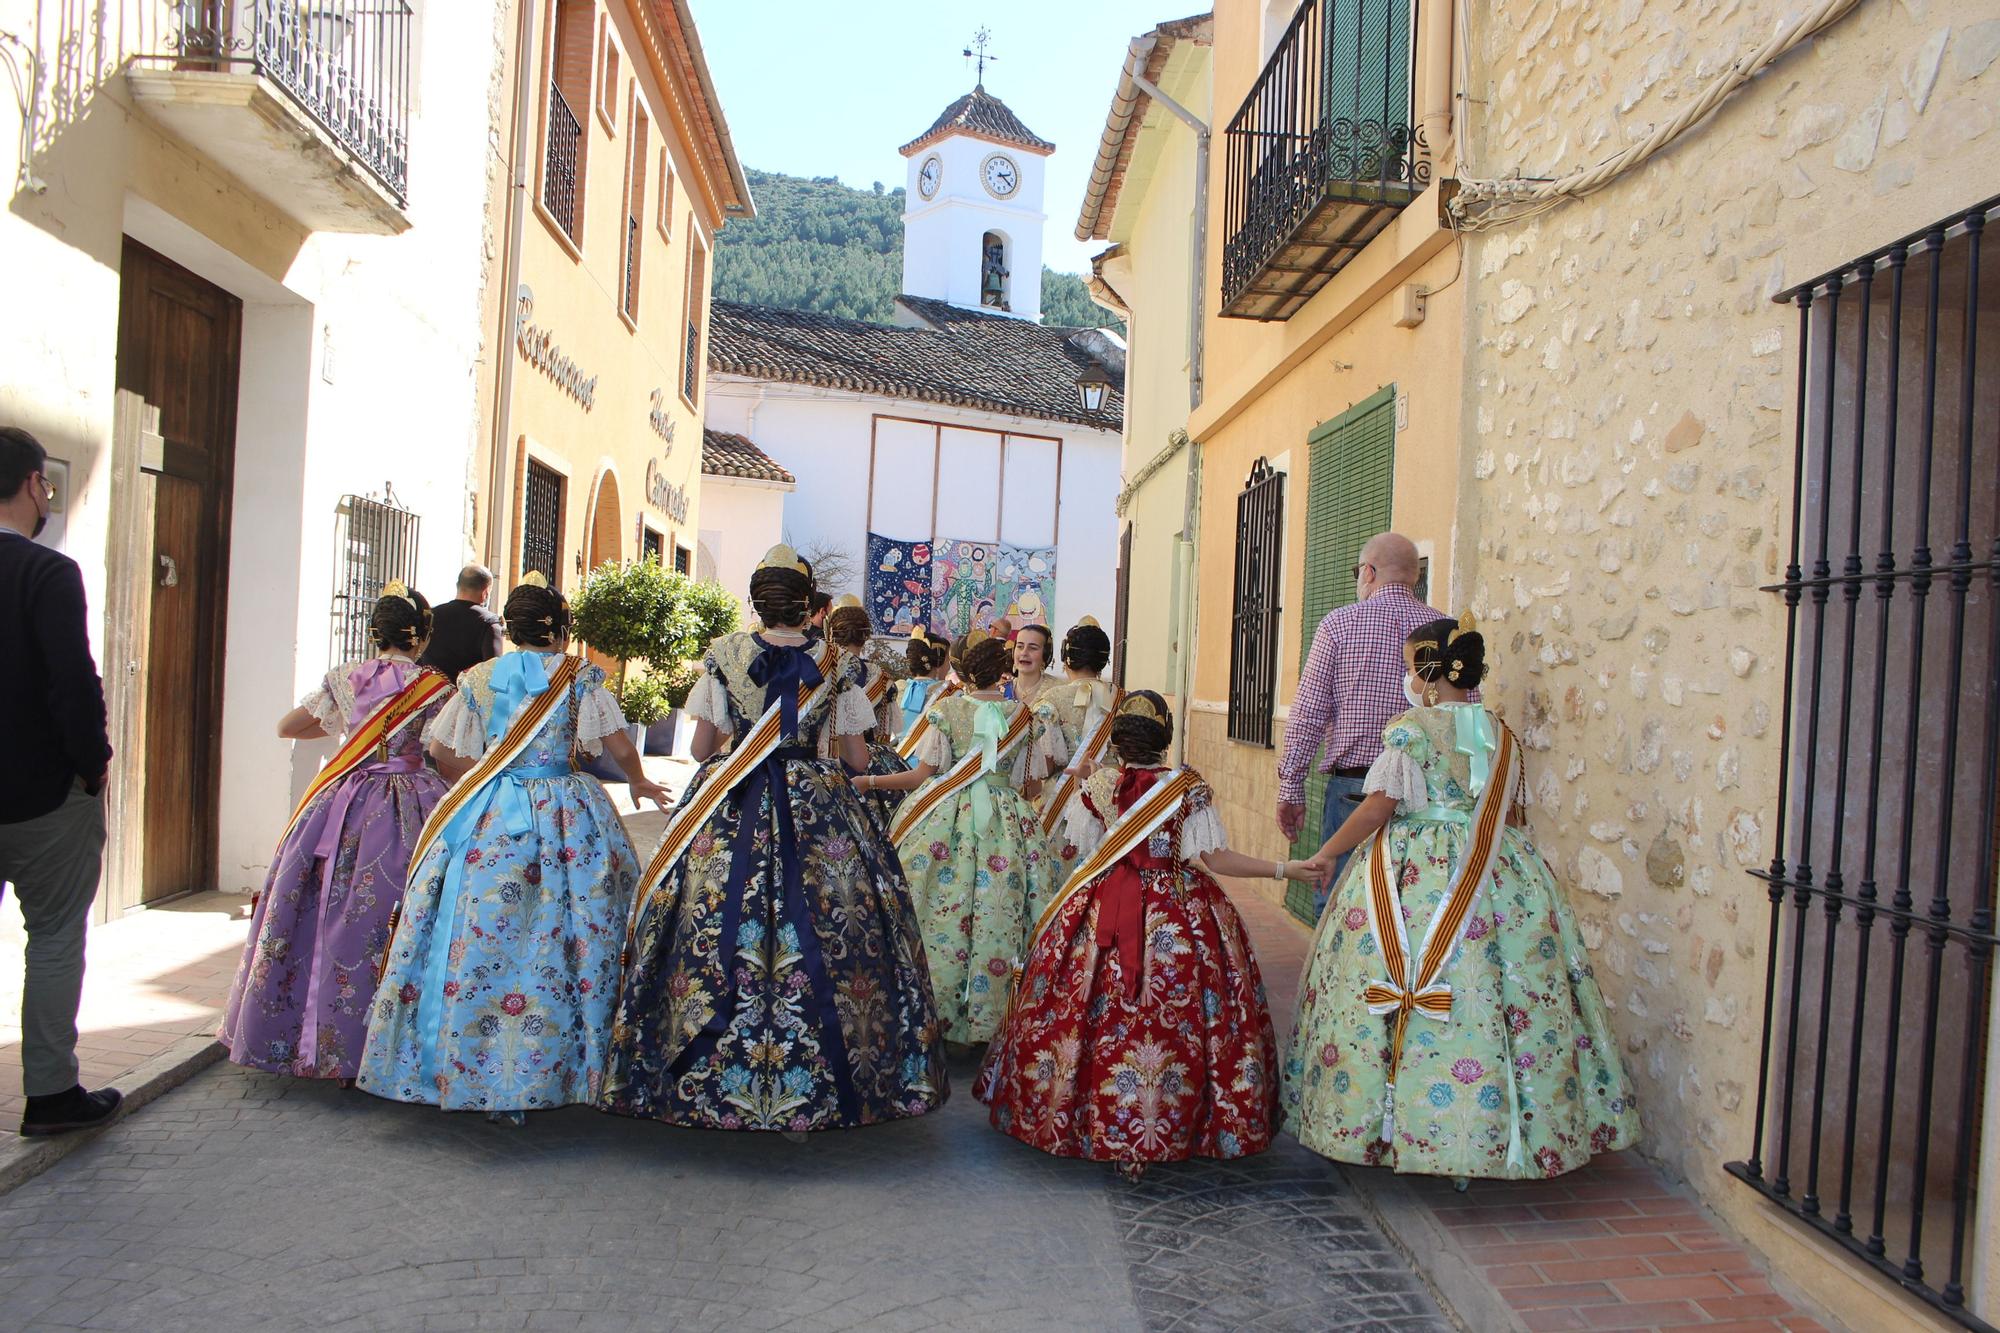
541 532
1870 1094
1253 644
374 541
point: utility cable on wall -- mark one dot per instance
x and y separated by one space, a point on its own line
1482 204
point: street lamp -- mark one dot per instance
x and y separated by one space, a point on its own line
1092 385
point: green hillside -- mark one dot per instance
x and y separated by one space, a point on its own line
818 245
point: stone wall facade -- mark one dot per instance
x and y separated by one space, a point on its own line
1628 470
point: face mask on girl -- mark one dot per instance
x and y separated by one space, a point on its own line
1410 692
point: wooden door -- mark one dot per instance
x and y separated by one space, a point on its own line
178 343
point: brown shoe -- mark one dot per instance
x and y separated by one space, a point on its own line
65 1112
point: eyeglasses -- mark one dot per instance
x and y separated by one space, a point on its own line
48 487
1358 568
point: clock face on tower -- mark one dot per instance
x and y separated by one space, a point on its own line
1000 175
928 176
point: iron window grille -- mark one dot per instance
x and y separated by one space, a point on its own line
541 533
1881 881
345 63
632 267
559 168
374 541
653 547
1253 642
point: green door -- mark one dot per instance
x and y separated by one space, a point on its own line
1350 471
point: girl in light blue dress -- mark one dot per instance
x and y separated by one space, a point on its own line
503 971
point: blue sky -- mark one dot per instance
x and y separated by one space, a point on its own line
831 89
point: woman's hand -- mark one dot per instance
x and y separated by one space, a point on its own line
1032 789
646 789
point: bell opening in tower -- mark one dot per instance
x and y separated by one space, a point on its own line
994 272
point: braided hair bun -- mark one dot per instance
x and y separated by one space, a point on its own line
1086 647
400 621
849 626
780 596
982 663
536 615
923 656
1143 729
1449 651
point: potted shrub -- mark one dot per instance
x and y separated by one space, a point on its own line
674 734
640 611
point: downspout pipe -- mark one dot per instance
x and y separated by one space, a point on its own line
493 549
1198 249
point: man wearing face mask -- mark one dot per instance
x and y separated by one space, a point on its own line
1352 685
53 757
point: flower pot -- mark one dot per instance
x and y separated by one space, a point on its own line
660 736
683 747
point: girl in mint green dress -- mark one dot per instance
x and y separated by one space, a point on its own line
1505 1065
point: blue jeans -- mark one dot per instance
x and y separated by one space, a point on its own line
1332 815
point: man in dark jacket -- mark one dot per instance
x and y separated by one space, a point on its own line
463 632
53 757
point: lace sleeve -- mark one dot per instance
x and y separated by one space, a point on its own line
597 716
935 747
324 704
1399 771
1051 747
709 702
457 727
1202 832
1082 829
852 713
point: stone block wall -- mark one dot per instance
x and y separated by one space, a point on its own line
1628 463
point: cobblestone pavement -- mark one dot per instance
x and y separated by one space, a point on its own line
246 1200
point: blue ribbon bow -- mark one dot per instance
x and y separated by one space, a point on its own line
517 678
783 670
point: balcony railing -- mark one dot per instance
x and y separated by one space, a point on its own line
559 170
345 63
1323 154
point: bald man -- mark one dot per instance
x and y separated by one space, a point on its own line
1351 687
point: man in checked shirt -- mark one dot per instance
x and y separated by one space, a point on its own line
1351 687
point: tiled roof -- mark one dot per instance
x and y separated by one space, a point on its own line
967 358
981 114
726 455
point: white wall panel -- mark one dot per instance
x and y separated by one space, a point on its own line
1028 510
969 496
905 452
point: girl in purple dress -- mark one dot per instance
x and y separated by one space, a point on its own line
318 930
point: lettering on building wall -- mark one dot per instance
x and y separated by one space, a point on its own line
663 425
538 347
664 495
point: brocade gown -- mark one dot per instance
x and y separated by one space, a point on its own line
1139 1030
504 969
1069 712
776 980
1522 1080
302 993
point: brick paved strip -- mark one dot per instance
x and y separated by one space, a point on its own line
23 1159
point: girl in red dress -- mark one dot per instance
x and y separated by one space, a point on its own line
1139 1031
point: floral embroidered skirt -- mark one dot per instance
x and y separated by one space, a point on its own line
1177 1063
977 864
504 969
883 762
302 993
776 979
1522 1081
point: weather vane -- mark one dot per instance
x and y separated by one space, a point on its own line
977 51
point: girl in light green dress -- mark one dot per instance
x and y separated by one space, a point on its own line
1449 1021
970 842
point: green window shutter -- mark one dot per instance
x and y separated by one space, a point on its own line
1350 480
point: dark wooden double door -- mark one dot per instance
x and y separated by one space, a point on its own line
179 342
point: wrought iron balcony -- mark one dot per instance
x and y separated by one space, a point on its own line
1324 153
564 147
306 100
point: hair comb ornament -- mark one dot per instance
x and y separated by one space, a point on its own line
1140 706
1087 622
398 588
917 635
782 556
846 600
534 578
977 637
1467 624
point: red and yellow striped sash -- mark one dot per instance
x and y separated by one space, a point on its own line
908 745
1147 815
755 747
911 812
516 739
372 737
1092 747
876 691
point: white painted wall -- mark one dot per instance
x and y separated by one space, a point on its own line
822 438
942 236
740 520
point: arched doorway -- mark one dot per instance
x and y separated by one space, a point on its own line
607 524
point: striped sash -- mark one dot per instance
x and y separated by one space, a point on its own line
372 737
876 691
1402 993
969 766
523 729
1147 815
1093 746
755 747
908 745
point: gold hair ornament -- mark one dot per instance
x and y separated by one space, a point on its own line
1466 625
846 600
398 588
783 557
1140 706
534 578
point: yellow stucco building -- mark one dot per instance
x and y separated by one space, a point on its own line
622 170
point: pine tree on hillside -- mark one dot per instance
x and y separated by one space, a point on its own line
818 245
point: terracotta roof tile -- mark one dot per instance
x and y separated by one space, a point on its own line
981 114
967 358
727 455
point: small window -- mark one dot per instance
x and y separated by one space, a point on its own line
607 76
683 559
994 273
635 209
693 303
1253 645
653 547
541 532
666 193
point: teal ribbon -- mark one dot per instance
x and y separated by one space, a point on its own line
1477 739
989 724
1441 814
517 677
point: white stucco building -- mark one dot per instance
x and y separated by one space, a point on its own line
742 511
248 322
947 462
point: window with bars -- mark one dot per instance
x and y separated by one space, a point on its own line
1870 1095
692 305
653 547
374 541
683 559
565 147
635 209
1253 642
1351 470
541 529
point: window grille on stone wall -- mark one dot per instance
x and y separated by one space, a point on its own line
374 541
1253 643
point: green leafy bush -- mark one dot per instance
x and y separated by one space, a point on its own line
677 682
640 611
646 699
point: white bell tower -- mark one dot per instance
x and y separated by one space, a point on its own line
972 211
